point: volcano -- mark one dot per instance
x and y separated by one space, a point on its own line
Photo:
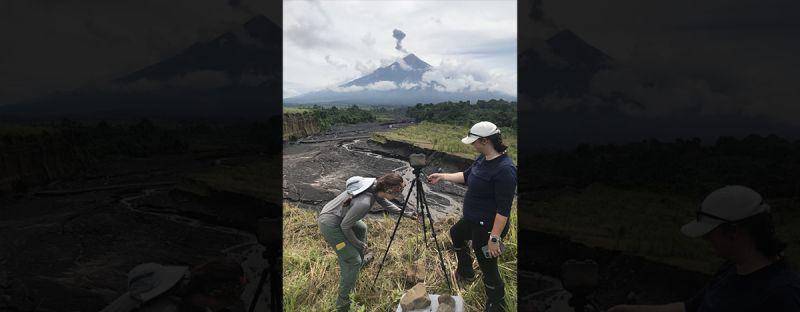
406 70
399 83
230 77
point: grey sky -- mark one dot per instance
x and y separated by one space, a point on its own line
62 45
327 43
727 55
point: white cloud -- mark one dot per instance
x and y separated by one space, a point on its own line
377 86
367 67
454 76
368 39
409 85
656 94
347 89
403 64
381 86
359 35
336 63
99 41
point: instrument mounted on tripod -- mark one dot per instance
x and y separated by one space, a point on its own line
417 161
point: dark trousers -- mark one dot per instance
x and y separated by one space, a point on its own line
465 230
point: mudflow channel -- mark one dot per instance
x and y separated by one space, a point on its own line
249 251
315 169
73 246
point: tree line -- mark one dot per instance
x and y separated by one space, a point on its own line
769 164
333 115
464 113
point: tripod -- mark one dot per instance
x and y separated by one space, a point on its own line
422 206
273 270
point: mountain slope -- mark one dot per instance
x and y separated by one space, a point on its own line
399 83
231 77
406 70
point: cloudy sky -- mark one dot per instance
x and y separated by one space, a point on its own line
723 56
327 43
51 46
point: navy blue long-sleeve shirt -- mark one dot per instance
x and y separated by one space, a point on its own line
491 185
775 287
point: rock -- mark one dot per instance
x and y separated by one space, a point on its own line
415 298
416 273
446 304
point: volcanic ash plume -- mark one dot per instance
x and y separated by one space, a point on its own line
399 35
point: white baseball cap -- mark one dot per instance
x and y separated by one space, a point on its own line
357 184
728 204
480 130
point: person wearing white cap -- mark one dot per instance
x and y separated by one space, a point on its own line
491 184
737 222
341 225
213 286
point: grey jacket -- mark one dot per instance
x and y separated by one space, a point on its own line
336 214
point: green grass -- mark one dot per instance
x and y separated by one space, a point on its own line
641 223
310 278
294 110
443 138
255 180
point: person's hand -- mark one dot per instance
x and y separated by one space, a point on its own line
435 178
494 249
362 249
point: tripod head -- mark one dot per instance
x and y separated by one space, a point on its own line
417 161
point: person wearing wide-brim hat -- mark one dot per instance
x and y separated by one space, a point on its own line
215 285
737 222
491 184
344 231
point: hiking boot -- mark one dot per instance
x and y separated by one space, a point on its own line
499 306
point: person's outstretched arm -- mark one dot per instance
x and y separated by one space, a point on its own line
455 177
388 205
672 307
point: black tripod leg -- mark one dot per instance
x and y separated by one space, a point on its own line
435 241
421 210
260 288
391 239
276 282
